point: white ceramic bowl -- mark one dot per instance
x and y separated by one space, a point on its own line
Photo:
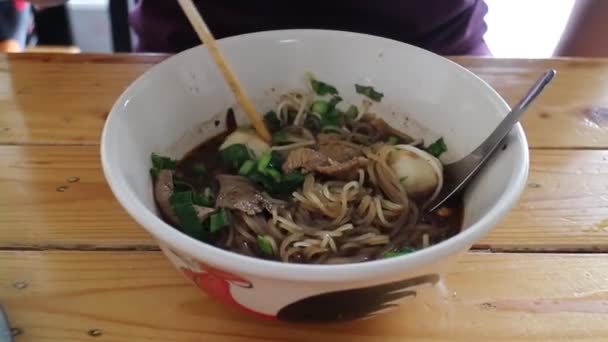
173 107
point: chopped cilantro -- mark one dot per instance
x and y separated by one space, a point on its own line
437 148
370 92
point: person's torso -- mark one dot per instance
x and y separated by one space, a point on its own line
442 26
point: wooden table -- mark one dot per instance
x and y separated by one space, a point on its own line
542 274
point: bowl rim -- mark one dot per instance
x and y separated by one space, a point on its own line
235 262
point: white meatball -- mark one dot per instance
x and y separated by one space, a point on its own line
419 172
249 138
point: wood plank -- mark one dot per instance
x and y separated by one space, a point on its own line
531 297
573 110
46 99
36 211
564 208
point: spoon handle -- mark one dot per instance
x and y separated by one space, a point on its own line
501 131
458 174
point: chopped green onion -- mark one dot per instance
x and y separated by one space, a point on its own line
181 197
182 205
437 148
276 161
272 121
263 162
334 101
264 245
330 118
280 138
402 251
352 112
322 88
320 107
235 155
190 197
218 220
392 140
181 185
291 181
199 168
205 200
369 92
162 163
264 181
276 175
188 220
247 167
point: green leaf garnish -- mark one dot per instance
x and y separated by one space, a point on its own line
437 148
204 200
320 107
218 220
247 167
291 181
183 207
334 101
181 185
235 155
330 118
370 92
322 88
160 163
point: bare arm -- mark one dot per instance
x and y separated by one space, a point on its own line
586 34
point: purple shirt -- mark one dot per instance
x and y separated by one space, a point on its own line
448 27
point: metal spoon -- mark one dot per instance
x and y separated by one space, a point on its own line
458 174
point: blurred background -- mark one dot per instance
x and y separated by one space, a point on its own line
516 28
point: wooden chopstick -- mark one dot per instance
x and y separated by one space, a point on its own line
199 25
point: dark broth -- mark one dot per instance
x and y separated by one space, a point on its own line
207 153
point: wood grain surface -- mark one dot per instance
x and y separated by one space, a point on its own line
64 99
75 267
62 296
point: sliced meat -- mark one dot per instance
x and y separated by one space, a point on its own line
323 138
337 160
340 151
163 189
383 129
304 158
238 193
203 212
346 170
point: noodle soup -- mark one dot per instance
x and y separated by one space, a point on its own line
336 184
